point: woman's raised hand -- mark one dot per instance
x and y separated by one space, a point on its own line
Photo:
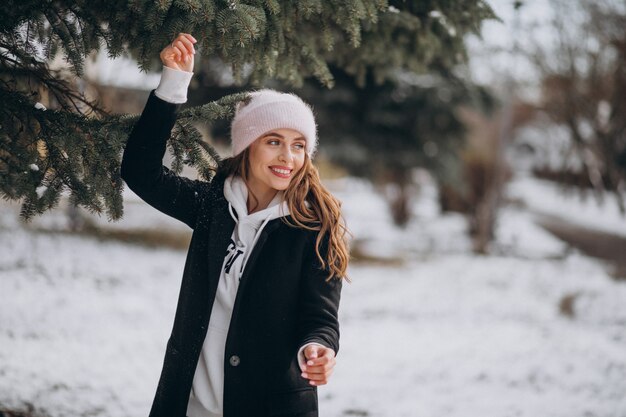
179 54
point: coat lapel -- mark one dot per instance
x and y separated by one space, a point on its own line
269 228
222 226
258 247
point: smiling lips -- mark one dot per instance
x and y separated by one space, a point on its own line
281 172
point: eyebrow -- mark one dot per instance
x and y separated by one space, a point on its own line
282 137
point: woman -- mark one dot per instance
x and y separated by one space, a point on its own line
256 327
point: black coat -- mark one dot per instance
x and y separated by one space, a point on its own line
283 300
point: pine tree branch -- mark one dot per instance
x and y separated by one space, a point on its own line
75 145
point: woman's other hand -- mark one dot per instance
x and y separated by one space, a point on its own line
319 365
179 54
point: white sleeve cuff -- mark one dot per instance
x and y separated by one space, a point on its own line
301 358
173 85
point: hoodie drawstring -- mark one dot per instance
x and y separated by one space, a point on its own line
256 237
232 212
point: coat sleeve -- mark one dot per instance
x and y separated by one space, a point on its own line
142 165
318 302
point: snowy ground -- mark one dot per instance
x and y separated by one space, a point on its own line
83 323
544 197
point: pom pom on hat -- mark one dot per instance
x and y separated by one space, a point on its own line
268 110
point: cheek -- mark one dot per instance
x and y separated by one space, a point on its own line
258 159
299 163
265 156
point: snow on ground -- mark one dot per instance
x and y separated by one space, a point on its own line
545 197
83 323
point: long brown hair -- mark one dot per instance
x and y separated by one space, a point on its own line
323 214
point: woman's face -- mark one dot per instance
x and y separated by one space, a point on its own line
275 158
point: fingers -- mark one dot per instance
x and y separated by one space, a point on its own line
319 369
310 352
315 351
183 37
186 40
184 44
180 53
317 356
318 379
187 36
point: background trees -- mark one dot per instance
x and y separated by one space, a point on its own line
582 73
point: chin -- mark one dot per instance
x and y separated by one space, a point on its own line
281 184
280 187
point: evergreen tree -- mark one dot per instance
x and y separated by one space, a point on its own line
75 145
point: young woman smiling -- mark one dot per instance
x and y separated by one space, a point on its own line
256 328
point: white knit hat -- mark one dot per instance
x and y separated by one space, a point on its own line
268 110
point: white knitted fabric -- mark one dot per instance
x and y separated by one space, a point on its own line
268 110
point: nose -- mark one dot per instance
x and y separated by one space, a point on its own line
285 154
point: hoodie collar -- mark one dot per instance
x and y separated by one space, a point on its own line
236 193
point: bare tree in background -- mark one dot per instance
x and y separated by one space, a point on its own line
583 88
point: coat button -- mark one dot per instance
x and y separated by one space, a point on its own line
234 360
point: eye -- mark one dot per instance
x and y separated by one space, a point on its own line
272 141
299 145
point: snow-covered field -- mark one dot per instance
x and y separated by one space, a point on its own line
543 197
83 323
